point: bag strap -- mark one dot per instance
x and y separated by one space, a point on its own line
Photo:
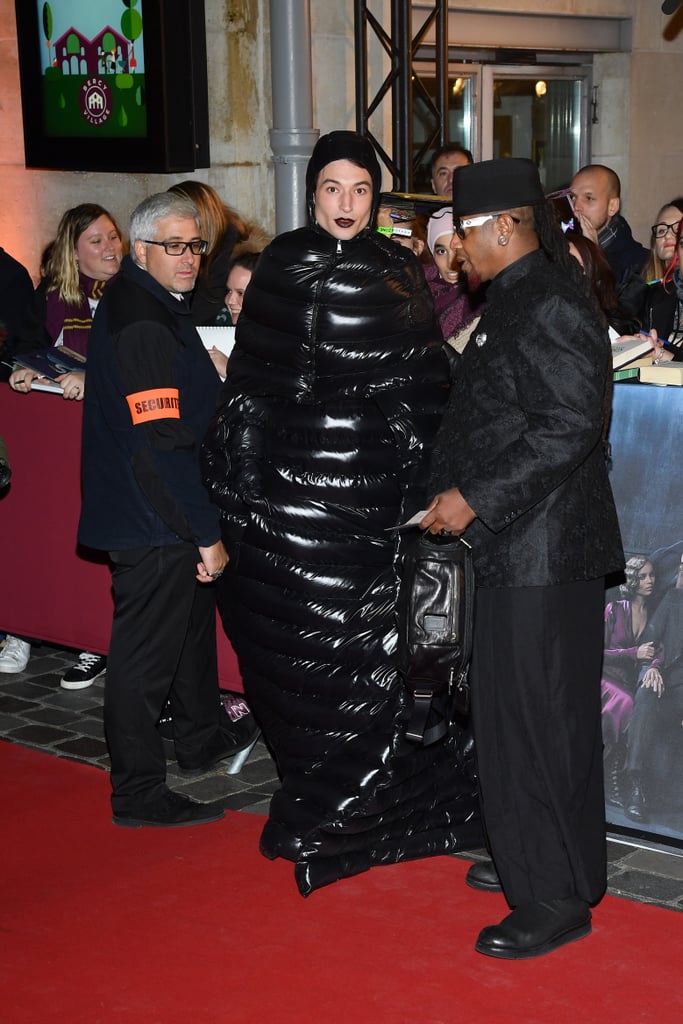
424 702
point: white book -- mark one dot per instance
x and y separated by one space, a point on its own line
222 338
626 351
43 384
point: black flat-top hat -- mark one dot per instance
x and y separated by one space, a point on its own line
495 185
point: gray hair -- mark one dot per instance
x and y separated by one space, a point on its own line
148 213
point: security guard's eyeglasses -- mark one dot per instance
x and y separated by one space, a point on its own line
197 248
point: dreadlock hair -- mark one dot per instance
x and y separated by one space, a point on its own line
551 238
556 247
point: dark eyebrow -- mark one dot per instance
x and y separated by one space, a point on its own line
335 181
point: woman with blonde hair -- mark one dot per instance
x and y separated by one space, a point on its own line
661 308
85 255
223 229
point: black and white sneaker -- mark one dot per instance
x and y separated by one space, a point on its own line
87 669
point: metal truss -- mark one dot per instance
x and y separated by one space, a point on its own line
402 86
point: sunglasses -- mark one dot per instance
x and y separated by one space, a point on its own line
460 225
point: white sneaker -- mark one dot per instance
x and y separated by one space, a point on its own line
14 655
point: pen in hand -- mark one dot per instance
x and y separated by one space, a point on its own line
667 344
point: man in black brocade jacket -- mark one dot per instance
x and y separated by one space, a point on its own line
519 471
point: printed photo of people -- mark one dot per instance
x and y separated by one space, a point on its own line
642 678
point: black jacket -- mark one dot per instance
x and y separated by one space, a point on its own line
522 434
336 386
662 310
16 297
151 392
624 254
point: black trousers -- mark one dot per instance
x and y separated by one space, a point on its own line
163 645
536 715
654 732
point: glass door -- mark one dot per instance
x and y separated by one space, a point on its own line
495 110
463 114
539 112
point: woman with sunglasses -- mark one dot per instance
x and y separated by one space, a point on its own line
661 306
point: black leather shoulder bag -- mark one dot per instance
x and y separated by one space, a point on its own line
435 609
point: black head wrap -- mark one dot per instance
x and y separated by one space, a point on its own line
343 145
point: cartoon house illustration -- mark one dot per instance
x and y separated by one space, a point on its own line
76 55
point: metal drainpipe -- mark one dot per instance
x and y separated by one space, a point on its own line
292 136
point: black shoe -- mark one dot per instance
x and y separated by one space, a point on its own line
84 672
536 929
635 805
483 875
171 810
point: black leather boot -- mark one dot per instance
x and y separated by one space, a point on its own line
613 794
635 804
482 875
536 929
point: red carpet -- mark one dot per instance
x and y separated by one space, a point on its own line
101 925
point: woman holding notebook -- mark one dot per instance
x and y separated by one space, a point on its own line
84 256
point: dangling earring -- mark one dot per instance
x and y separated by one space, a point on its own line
503 239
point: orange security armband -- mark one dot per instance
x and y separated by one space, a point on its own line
156 404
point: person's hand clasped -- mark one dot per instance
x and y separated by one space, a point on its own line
448 513
213 563
73 385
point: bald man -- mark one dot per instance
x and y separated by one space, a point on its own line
596 198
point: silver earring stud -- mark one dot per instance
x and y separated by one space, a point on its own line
502 240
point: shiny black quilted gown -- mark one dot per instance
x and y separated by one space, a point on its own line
335 391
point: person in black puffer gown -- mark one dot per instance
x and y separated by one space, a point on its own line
336 387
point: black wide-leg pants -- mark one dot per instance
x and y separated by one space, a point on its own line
536 715
163 645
